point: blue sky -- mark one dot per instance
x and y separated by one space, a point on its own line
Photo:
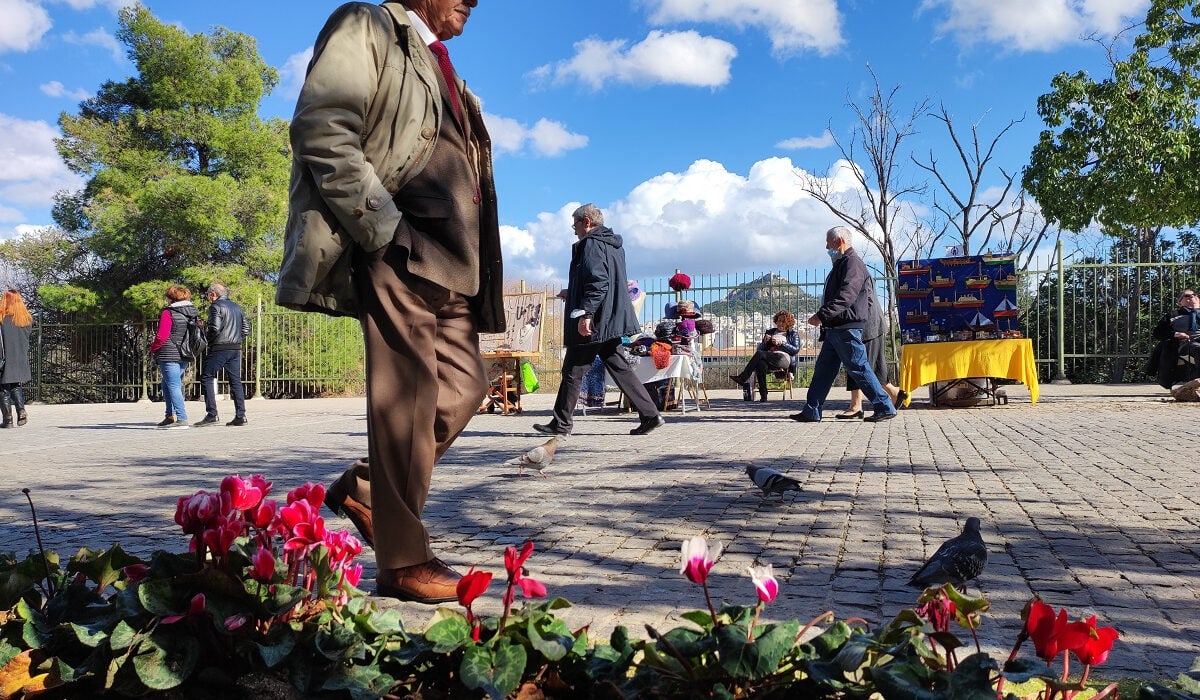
687 121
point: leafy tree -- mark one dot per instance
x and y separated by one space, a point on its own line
184 181
1119 152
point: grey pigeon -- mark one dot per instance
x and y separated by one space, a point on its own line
958 560
539 457
771 480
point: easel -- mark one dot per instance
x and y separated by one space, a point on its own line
506 387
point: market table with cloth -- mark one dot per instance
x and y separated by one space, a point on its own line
682 372
925 363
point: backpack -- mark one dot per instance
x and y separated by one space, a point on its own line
193 344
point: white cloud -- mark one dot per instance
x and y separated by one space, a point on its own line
89 4
825 140
291 74
20 230
22 24
792 26
545 138
705 219
31 170
662 58
57 89
98 37
1034 25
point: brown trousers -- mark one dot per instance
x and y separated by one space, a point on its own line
425 380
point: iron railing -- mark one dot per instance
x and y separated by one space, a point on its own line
1090 322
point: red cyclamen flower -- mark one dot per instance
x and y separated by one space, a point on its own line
195 609
939 612
698 558
196 512
764 582
514 561
242 495
135 573
304 527
313 493
472 585
1053 634
1094 651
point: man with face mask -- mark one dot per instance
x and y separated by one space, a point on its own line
843 313
392 218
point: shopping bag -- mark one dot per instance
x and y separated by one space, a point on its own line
528 378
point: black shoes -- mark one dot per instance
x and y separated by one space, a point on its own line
850 416
237 421
801 418
550 428
647 425
209 419
877 416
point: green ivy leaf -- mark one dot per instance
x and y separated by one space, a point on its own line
905 681
757 659
700 618
338 642
122 636
284 598
688 642
496 672
102 567
972 678
449 634
383 622
164 661
90 635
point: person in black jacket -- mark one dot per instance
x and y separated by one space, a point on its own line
843 314
1176 358
599 313
226 329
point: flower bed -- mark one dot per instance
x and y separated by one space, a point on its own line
265 594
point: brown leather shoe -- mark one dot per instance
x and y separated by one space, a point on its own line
341 503
430 582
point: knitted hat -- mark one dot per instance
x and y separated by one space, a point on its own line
680 282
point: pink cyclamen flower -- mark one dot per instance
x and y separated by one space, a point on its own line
261 515
135 573
242 495
304 527
313 493
764 581
698 558
531 588
939 612
352 574
195 609
196 512
263 569
234 622
513 561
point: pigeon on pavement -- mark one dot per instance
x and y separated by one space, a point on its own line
958 560
539 457
771 480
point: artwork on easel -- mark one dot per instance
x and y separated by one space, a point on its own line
522 327
962 297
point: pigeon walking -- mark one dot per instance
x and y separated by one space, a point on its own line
771 480
539 457
958 560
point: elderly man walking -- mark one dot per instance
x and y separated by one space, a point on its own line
600 312
843 313
227 328
393 219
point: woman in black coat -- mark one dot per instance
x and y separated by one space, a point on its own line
16 325
1176 358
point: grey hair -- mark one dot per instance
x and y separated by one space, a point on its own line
589 211
843 232
219 289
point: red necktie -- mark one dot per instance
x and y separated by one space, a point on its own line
443 60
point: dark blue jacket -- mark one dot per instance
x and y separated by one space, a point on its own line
597 285
845 303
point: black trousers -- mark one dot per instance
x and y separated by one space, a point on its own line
576 365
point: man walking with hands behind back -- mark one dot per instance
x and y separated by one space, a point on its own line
843 313
599 312
392 218
226 329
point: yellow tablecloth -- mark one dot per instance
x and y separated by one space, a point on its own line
922 363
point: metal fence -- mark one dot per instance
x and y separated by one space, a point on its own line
1090 322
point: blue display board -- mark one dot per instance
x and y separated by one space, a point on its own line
959 298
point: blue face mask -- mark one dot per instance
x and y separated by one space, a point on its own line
833 253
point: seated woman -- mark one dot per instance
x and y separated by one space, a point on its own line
778 350
1176 358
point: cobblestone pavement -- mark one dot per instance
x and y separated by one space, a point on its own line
1088 499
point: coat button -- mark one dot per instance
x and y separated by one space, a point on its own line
477 199
427 132
374 203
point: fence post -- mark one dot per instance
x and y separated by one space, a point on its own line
142 350
1060 376
258 351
